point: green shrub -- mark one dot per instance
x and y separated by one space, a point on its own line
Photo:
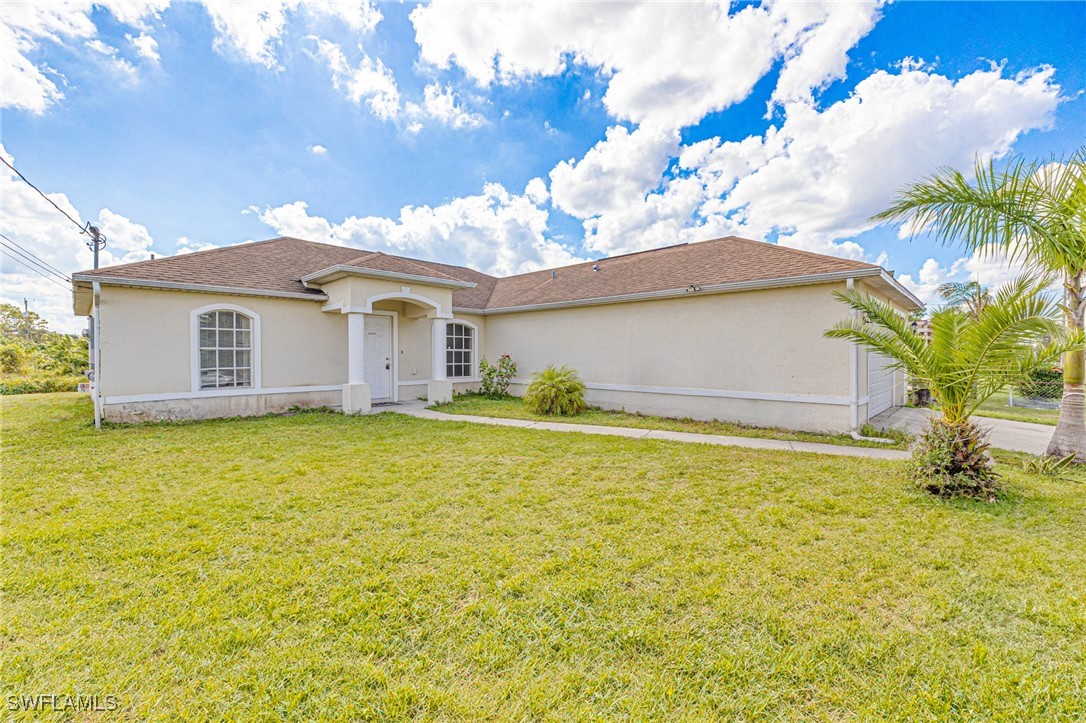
16 356
1042 384
39 384
495 378
951 460
556 391
1054 467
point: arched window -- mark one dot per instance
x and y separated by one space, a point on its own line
459 350
226 349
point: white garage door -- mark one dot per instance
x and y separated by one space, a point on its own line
880 384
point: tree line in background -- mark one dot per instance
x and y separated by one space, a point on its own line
35 359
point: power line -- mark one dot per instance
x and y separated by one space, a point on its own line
39 273
82 228
15 251
36 259
97 242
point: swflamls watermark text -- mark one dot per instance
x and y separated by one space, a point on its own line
62 702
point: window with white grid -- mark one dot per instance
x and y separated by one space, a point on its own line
226 350
459 351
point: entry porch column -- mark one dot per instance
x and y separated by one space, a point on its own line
356 392
439 388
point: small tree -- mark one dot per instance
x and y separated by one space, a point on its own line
495 378
1034 212
967 361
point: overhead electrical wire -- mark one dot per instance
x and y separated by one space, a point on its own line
83 228
39 273
27 261
26 253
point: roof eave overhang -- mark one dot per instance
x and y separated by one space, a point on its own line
735 286
339 271
78 279
888 278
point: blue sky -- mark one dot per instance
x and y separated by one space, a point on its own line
520 136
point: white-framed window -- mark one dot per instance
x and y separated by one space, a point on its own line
459 350
226 342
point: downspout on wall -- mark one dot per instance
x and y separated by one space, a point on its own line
97 351
853 374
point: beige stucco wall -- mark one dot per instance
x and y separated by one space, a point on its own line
146 346
761 342
766 341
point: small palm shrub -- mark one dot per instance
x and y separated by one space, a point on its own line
556 391
951 460
495 378
1054 467
970 357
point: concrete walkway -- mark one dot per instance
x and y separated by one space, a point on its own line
417 409
1004 433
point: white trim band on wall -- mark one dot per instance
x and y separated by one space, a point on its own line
216 393
719 393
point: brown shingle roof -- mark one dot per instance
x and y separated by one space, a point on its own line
277 265
383 262
720 261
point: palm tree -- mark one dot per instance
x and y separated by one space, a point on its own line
968 358
1032 212
970 294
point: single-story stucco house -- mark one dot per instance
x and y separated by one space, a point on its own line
727 329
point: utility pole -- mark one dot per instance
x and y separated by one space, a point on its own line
26 317
97 242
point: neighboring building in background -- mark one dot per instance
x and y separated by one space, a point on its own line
728 329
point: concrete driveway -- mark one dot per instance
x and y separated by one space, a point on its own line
1005 434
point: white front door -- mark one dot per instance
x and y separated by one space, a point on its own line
378 356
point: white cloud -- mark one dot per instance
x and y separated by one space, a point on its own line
254 30
135 13
619 170
815 179
25 26
440 104
496 232
536 191
118 66
317 150
823 173
249 29
667 64
987 266
185 245
127 241
817 55
370 81
145 45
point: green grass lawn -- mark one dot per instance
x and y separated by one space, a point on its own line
514 408
998 408
319 566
